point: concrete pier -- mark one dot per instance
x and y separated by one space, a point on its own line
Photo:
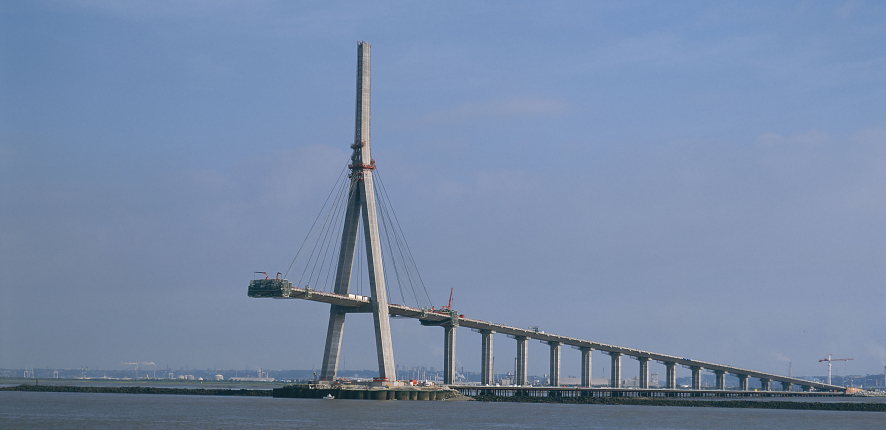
670 375
721 379
449 354
742 382
522 352
644 372
555 363
486 357
615 377
586 366
696 377
786 386
765 384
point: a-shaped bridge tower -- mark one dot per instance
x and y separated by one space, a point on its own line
361 200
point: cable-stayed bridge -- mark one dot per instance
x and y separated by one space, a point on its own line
361 215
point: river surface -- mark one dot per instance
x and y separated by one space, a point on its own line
33 410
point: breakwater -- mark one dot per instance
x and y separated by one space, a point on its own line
140 390
747 404
310 391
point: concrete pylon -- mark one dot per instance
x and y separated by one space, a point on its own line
721 379
486 358
586 361
449 354
644 372
671 375
555 363
742 382
696 377
615 376
361 200
522 359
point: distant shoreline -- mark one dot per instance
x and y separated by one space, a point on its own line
141 390
747 404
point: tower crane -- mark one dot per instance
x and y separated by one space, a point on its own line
829 360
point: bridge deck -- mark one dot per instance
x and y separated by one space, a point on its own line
362 304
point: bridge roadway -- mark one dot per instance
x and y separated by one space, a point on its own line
450 319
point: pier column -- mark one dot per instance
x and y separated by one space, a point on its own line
449 354
786 386
522 351
807 388
486 358
670 375
721 379
586 366
555 363
696 377
742 382
644 372
764 384
615 377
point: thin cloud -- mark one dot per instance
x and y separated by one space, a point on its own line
811 138
879 352
504 108
781 357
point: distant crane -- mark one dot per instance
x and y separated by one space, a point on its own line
829 360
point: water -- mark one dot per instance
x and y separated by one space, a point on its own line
23 410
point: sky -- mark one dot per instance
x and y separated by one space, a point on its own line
700 179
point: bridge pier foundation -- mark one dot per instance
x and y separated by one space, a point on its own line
644 372
670 375
449 354
586 366
764 384
786 386
742 382
555 363
522 352
486 358
721 379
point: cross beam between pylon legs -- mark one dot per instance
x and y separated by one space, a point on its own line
361 200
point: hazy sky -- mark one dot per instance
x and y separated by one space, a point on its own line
697 179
